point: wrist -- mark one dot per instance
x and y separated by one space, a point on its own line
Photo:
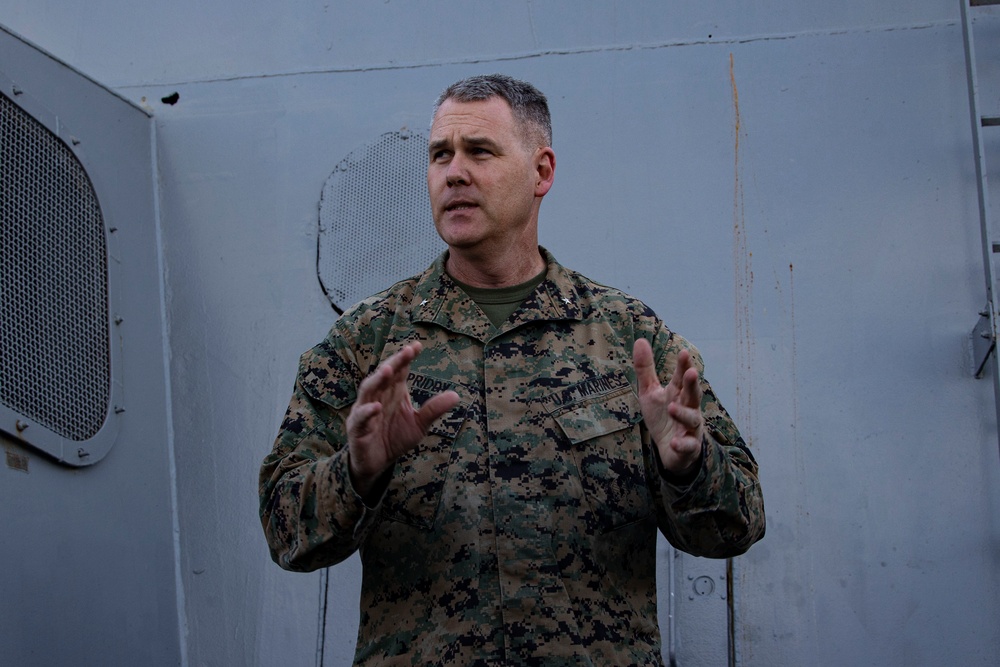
368 486
682 475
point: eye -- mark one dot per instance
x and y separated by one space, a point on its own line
439 155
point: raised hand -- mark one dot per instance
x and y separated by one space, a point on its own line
672 412
383 425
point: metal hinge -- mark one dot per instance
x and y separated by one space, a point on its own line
984 343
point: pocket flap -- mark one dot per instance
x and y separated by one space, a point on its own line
599 416
329 382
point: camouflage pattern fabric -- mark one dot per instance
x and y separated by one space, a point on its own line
522 530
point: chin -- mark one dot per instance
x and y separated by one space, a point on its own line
460 242
458 235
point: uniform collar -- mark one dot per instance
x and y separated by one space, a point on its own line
439 300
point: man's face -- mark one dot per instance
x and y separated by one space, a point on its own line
482 177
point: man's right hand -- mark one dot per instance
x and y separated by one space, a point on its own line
383 424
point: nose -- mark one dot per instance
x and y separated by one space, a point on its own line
457 173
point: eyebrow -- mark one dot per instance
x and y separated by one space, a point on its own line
479 141
468 141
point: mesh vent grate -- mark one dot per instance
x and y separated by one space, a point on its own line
55 365
375 223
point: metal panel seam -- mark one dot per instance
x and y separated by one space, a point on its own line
530 55
182 624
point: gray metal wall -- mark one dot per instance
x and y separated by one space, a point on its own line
88 567
790 185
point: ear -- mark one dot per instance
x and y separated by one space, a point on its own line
545 168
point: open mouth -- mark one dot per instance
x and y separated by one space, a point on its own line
460 206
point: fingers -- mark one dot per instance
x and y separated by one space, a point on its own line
686 441
681 454
642 361
679 432
684 381
685 409
390 372
359 420
691 389
385 392
400 362
688 417
437 406
398 365
683 365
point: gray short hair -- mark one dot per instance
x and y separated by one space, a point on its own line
528 104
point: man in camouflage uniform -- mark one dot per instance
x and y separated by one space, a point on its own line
501 437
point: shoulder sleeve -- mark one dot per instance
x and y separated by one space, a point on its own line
311 515
720 513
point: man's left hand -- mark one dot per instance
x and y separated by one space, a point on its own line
672 412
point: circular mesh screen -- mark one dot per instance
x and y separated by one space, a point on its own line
375 223
55 363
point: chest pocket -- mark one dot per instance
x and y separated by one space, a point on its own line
606 446
420 476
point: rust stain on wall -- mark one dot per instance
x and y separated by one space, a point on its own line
743 279
16 461
795 357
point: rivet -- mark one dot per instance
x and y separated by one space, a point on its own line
21 426
82 453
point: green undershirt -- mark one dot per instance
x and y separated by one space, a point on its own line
500 302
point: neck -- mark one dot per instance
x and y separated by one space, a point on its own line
502 269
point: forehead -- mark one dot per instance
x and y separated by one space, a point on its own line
492 117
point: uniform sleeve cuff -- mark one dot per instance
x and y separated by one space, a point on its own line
356 512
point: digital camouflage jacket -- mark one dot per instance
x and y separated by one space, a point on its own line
522 530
